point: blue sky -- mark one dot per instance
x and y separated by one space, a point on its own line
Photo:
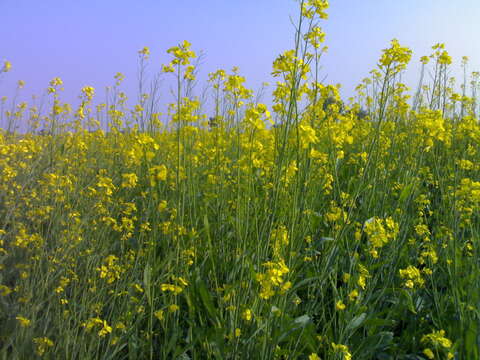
86 42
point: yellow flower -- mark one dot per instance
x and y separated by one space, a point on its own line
119 77
168 68
162 205
353 295
182 281
437 338
343 349
413 277
42 345
88 91
137 287
362 281
340 305
105 330
172 288
159 314
182 53
313 356
56 82
7 66
315 37
307 135
429 353
189 73
24 322
247 315
5 290
424 59
172 308
444 58
395 55
129 180
158 173
144 52
110 270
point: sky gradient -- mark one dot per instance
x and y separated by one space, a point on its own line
86 42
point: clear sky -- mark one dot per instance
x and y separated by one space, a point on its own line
85 42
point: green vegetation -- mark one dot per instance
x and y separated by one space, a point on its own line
314 231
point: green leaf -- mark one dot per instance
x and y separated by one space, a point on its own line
147 277
472 341
299 330
302 320
407 190
206 298
356 322
183 356
409 300
303 283
374 344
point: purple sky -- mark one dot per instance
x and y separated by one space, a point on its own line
86 42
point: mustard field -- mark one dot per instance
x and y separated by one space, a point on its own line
310 228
